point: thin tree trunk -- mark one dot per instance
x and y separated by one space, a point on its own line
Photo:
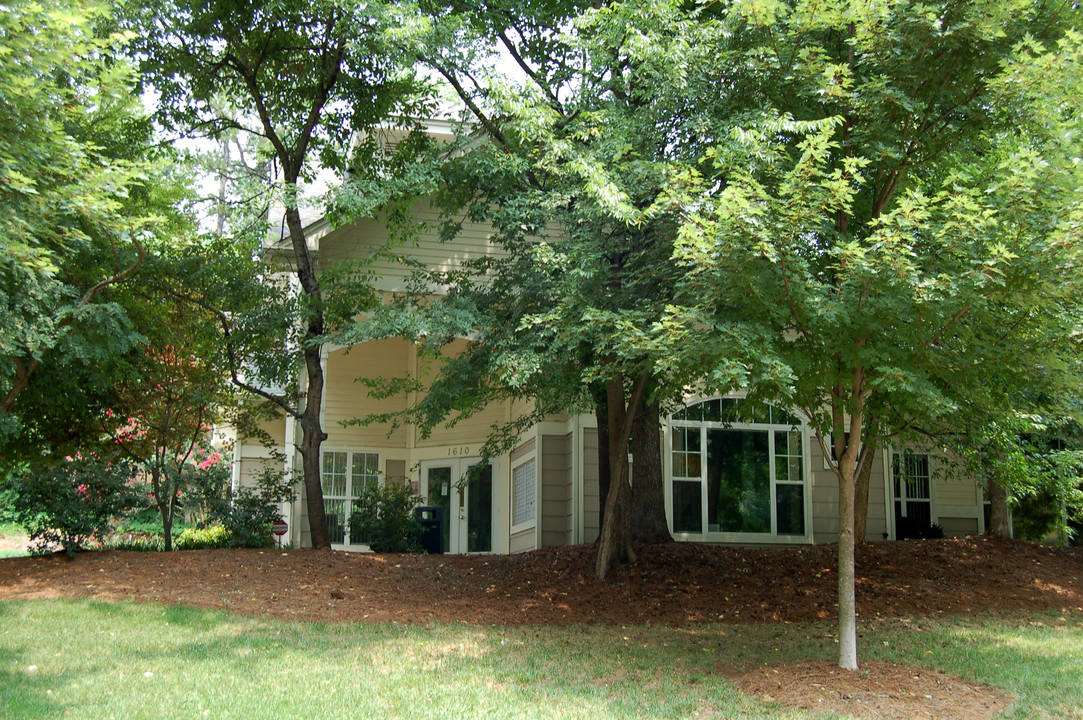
312 434
998 511
847 596
167 530
601 415
614 543
846 450
865 463
648 502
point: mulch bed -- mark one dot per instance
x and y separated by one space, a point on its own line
672 584
877 690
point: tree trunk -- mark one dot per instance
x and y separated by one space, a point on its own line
312 437
312 434
998 510
847 596
167 529
165 506
601 415
865 463
615 544
647 514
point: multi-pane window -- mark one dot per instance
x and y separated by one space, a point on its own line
345 476
913 500
737 468
524 489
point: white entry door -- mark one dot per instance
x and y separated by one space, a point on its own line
464 489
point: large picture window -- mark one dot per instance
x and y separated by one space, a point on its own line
737 468
345 476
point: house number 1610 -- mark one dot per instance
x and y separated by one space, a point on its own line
461 451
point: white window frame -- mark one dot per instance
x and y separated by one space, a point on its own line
770 429
532 521
349 495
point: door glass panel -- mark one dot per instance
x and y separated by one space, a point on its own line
738 481
790 509
479 511
687 507
919 512
334 474
439 493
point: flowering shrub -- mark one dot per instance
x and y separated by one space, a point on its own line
70 503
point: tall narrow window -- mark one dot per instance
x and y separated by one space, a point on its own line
345 476
524 490
334 494
913 500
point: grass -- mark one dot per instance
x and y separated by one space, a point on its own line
95 660
11 530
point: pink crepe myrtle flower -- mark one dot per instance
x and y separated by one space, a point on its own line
211 459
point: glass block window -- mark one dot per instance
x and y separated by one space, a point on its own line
524 488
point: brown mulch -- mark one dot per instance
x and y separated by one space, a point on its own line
877 690
672 584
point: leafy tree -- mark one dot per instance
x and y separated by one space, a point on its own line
82 190
306 78
573 161
70 502
164 419
890 229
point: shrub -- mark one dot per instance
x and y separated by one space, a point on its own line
138 543
145 521
207 494
384 516
247 514
207 538
69 503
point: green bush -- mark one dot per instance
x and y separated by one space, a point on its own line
207 538
384 516
207 494
247 514
146 521
69 503
137 543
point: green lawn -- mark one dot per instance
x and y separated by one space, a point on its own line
95 660
11 530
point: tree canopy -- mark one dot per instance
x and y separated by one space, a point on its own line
308 78
888 232
84 189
